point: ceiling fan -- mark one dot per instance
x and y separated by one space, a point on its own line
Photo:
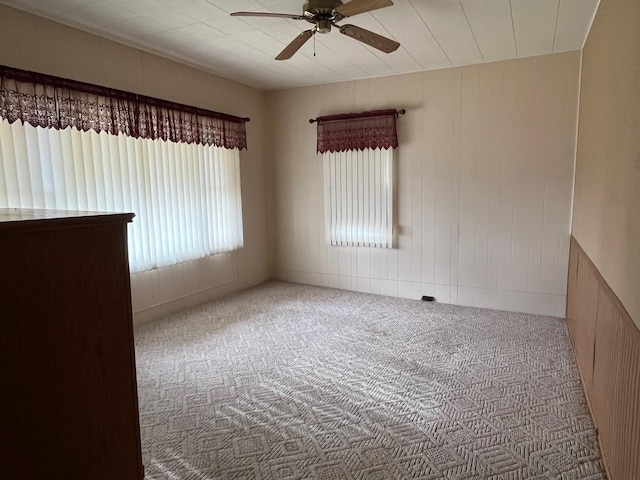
326 13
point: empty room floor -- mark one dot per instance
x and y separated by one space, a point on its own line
288 381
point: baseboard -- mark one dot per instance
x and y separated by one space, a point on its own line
155 312
607 347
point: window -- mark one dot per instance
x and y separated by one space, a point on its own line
358 197
184 191
358 177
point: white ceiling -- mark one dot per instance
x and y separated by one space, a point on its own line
433 34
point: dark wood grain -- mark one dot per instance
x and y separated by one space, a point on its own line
67 369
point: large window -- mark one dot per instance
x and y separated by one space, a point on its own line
180 173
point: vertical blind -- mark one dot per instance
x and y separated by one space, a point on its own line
357 153
186 197
358 196
71 145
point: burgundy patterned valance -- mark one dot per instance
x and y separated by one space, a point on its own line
52 102
357 131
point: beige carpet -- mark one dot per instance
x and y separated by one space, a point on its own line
288 381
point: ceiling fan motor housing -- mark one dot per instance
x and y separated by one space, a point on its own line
321 12
320 6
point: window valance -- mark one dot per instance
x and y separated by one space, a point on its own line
53 102
357 131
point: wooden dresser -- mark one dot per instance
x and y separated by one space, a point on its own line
68 401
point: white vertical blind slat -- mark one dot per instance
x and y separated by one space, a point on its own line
236 197
356 195
7 160
167 251
68 195
380 214
202 204
150 194
226 214
342 182
48 149
217 186
62 174
29 173
106 175
191 189
384 211
328 213
78 171
335 194
388 178
4 198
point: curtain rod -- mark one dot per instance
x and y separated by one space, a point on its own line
402 111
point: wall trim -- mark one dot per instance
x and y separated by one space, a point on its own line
155 312
606 342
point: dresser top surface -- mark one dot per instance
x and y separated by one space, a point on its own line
12 218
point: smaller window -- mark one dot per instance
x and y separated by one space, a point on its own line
358 196
358 177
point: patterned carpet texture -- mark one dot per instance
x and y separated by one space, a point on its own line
286 381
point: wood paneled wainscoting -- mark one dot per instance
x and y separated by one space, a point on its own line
607 346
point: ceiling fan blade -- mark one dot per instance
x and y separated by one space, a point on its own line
354 7
295 45
268 14
372 39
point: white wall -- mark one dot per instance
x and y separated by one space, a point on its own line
485 179
33 43
607 202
